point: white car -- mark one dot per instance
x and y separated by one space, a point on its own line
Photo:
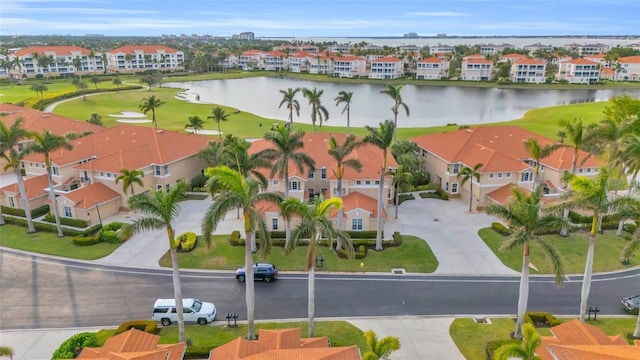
164 310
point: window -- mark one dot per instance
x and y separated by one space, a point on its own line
294 186
54 170
276 183
167 188
588 170
158 186
274 224
456 168
454 188
356 224
367 182
526 176
491 176
377 182
499 175
580 171
157 170
446 186
507 175
311 175
12 202
312 193
323 173
166 169
101 174
67 211
358 182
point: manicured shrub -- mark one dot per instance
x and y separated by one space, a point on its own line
371 234
187 241
13 211
540 319
500 229
579 219
234 239
125 232
39 211
149 326
426 187
404 197
197 352
112 226
67 221
492 346
198 182
429 195
278 235
443 194
109 236
397 238
74 345
85 240
90 231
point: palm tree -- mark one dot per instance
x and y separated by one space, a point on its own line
287 147
379 349
117 82
318 111
467 174
590 195
394 94
45 144
345 97
289 98
159 210
218 114
130 177
77 65
39 88
525 350
194 123
401 179
538 152
314 223
574 132
382 137
151 104
232 190
339 153
9 139
525 216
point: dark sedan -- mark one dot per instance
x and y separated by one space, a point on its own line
261 271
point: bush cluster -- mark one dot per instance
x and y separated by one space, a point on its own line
35 213
235 240
361 253
109 236
39 104
74 345
187 241
198 182
492 346
500 229
81 240
149 326
79 223
540 318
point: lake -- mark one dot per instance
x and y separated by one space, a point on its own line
428 105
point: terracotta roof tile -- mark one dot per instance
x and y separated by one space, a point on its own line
147 49
431 60
629 60
356 200
477 61
135 345
34 187
582 62
39 121
387 59
58 50
86 196
529 62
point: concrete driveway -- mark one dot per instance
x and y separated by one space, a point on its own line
451 232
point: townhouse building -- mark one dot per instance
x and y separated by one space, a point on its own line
349 66
276 61
440 48
538 46
300 61
340 48
505 160
477 69
359 188
529 71
411 48
492 49
587 49
386 68
432 69
294 48
85 177
46 61
321 64
579 71
599 58
251 59
629 68
513 57
139 58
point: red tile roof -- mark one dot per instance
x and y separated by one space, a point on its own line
39 121
58 50
134 344
284 344
529 62
582 62
477 61
356 200
575 340
147 49
387 59
629 60
34 187
499 148
86 196
431 60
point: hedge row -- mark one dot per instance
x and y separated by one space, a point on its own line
52 228
540 318
79 223
149 326
35 213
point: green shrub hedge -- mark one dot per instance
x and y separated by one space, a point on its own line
79 223
187 241
85 240
500 229
492 346
538 318
74 345
109 236
397 238
35 213
43 226
149 326
43 103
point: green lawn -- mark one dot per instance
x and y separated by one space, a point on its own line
42 242
205 338
573 250
414 255
471 337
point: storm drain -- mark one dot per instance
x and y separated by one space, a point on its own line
398 271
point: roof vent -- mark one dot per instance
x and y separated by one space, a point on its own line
159 131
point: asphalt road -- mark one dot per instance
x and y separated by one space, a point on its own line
38 292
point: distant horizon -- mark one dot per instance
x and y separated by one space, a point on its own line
329 18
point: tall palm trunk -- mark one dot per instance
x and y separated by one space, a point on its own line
379 225
397 190
340 215
54 207
564 231
311 306
471 194
586 281
523 298
250 291
287 226
395 127
636 333
177 287
25 201
348 125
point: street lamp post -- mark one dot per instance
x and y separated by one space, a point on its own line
98 210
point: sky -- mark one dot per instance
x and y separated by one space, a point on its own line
320 18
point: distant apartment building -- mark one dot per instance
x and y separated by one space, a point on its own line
440 48
349 66
340 48
300 61
538 46
492 49
55 61
413 48
251 59
477 69
579 71
247 36
529 71
432 69
386 68
276 61
512 57
292 48
599 58
321 64
587 49
138 58
629 68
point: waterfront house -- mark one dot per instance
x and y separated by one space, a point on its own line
579 71
386 68
432 69
300 61
275 61
251 59
512 57
630 68
538 46
477 69
349 66
440 48
529 71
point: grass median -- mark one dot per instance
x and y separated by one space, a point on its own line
414 255
572 250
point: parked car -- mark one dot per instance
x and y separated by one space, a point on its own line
261 271
631 304
194 310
